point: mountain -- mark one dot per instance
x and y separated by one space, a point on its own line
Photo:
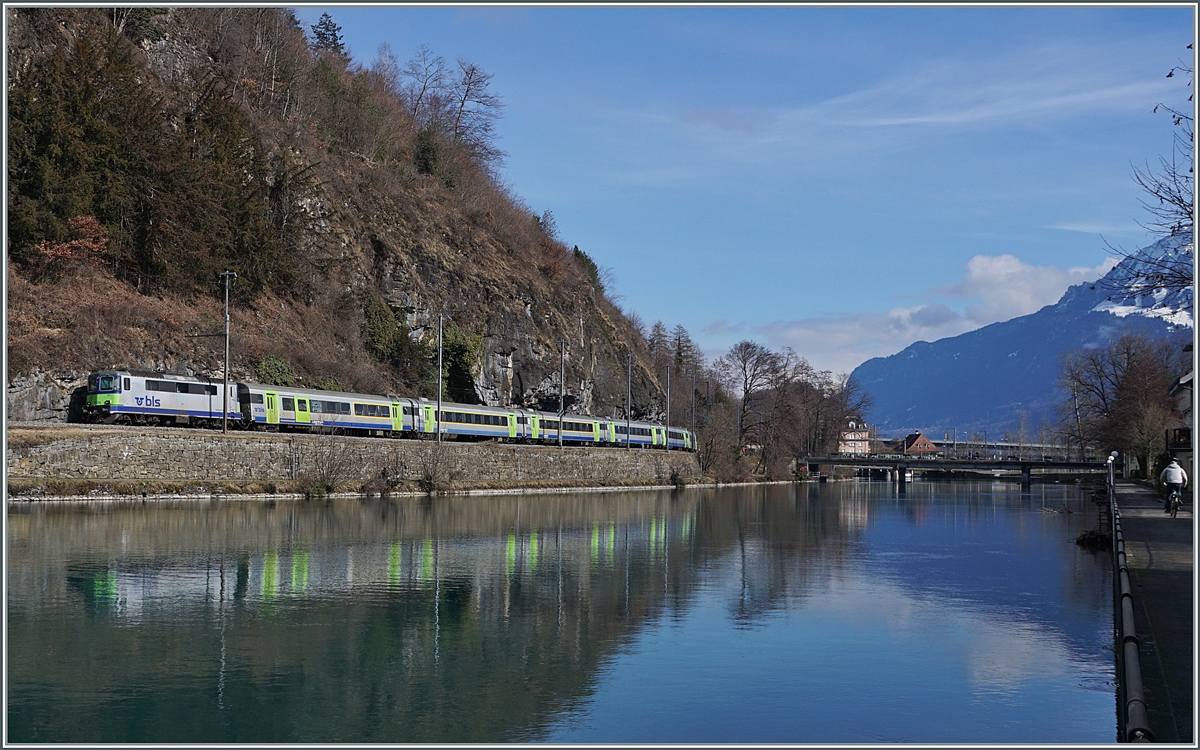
984 381
151 149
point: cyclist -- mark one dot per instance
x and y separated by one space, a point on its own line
1176 479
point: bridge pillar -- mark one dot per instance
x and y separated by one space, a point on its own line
1026 477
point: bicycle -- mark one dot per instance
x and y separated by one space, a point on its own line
1174 502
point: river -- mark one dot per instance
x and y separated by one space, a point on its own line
835 613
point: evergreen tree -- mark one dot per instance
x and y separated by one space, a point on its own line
660 346
688 357
327 35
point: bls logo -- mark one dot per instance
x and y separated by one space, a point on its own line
147 400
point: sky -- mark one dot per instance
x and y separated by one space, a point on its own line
841 180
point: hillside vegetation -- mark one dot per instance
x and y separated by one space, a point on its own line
151 149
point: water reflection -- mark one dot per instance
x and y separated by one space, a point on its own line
576 617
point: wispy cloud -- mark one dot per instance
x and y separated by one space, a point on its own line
899 115
1091 228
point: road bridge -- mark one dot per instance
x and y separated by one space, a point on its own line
900 465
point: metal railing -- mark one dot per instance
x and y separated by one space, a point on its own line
1132 721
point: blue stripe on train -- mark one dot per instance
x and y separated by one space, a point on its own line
116 409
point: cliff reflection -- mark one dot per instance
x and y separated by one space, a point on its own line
459 619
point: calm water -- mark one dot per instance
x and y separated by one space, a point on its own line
794 613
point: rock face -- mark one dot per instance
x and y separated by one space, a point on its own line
39 396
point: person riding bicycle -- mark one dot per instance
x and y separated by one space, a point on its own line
1176 479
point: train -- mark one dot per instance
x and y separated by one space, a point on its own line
143 397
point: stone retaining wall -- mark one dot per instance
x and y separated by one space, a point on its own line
181 455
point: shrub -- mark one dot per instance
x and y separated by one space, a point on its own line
272 370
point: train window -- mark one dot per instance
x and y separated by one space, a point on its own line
126 383
316 407
106 383
289 403
360 410
302 404
256 398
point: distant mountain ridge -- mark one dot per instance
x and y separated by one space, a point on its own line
985 380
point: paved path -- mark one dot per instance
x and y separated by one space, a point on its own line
1159 551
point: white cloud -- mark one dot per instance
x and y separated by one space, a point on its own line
1007 288
1001 287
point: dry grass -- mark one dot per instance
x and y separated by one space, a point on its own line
31 438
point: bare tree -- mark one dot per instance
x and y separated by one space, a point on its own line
387 67
748 368
475 111
1169 195
1116 396
424 86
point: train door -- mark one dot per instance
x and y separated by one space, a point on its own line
534 426
272 399
595 431
429 419
512 424
397 417
302 413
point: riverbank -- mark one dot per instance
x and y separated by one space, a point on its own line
101 496
1160 553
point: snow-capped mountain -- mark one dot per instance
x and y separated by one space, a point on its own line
986 380
1128 294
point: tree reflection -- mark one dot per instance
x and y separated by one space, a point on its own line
460 619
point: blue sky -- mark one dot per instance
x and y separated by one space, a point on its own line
841 180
